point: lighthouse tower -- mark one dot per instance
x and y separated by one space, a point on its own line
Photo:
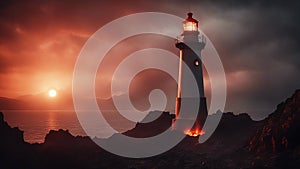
190 46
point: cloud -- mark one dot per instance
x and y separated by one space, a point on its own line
257 41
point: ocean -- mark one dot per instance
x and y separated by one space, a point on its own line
37 123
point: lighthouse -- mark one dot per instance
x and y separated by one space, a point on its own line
190 47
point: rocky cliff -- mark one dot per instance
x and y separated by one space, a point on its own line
238 142
280 130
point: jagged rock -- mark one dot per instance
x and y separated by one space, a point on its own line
280 130
12 135
1 118
154 123
59 137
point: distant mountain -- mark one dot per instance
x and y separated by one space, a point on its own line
8 104
39 101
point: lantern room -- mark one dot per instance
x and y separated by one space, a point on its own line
190 29
190 24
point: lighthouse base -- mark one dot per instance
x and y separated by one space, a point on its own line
187 125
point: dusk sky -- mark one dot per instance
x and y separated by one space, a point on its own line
258 43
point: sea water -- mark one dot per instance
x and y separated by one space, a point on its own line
37 123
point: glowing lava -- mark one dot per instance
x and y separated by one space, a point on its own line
194 133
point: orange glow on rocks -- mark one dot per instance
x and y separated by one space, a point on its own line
194 133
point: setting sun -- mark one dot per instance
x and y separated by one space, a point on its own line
52 93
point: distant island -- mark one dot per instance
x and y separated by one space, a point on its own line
238 142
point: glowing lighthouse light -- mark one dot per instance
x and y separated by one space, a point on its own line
190 24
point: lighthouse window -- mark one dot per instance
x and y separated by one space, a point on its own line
190 26
196 63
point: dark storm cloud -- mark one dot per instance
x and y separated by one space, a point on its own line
258 44
25 26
